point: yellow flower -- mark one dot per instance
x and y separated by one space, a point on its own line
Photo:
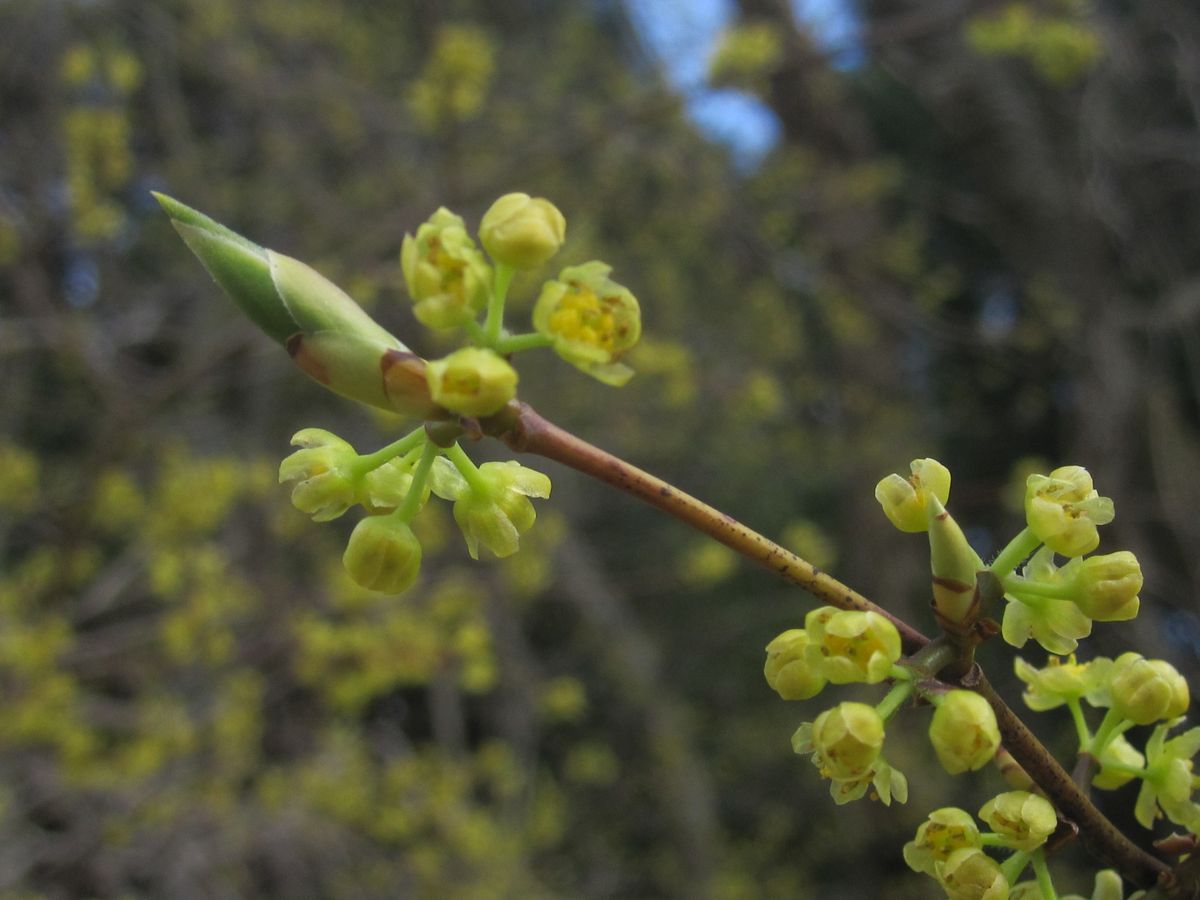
946 830
788 670
446 274
522 231
904 499
848 646
963 732
472 381
1063 510
591 320
1022 819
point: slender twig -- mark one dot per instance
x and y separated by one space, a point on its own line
525 431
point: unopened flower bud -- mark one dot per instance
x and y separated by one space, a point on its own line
386 487
946 830
847 740
1063 510
1024 820
851 646
522 231
963 732
591 319
788 670
1145 690
903 499
322 475
472 381
970 874
383 555
1106 586
447 276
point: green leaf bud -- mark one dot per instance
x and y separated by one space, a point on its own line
944 831
522 231
496 511
1107 586
591 319
970 874
447 276
848 646
1145 691
904 499
322 474
788 670
963 732
847 741
954 565
1022 819
472 381
328 335
1063 510
383 555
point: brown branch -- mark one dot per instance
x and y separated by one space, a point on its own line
520 427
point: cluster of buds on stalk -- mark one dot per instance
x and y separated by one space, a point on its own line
584 316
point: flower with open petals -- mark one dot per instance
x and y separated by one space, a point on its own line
447 276
1023 819
321 473
1118 763
849 646
904 499
1063 510
591 320
495 512
1168 781
1062 681
970 874
1054 623
944 831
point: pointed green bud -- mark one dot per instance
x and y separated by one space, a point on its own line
383 555
472 381
970 874
1022 819
522 231
963 732
954 565
591 319
848 646
944 831
328 335
788 670
447 276
324 483
1063 510
904 499
1147 690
